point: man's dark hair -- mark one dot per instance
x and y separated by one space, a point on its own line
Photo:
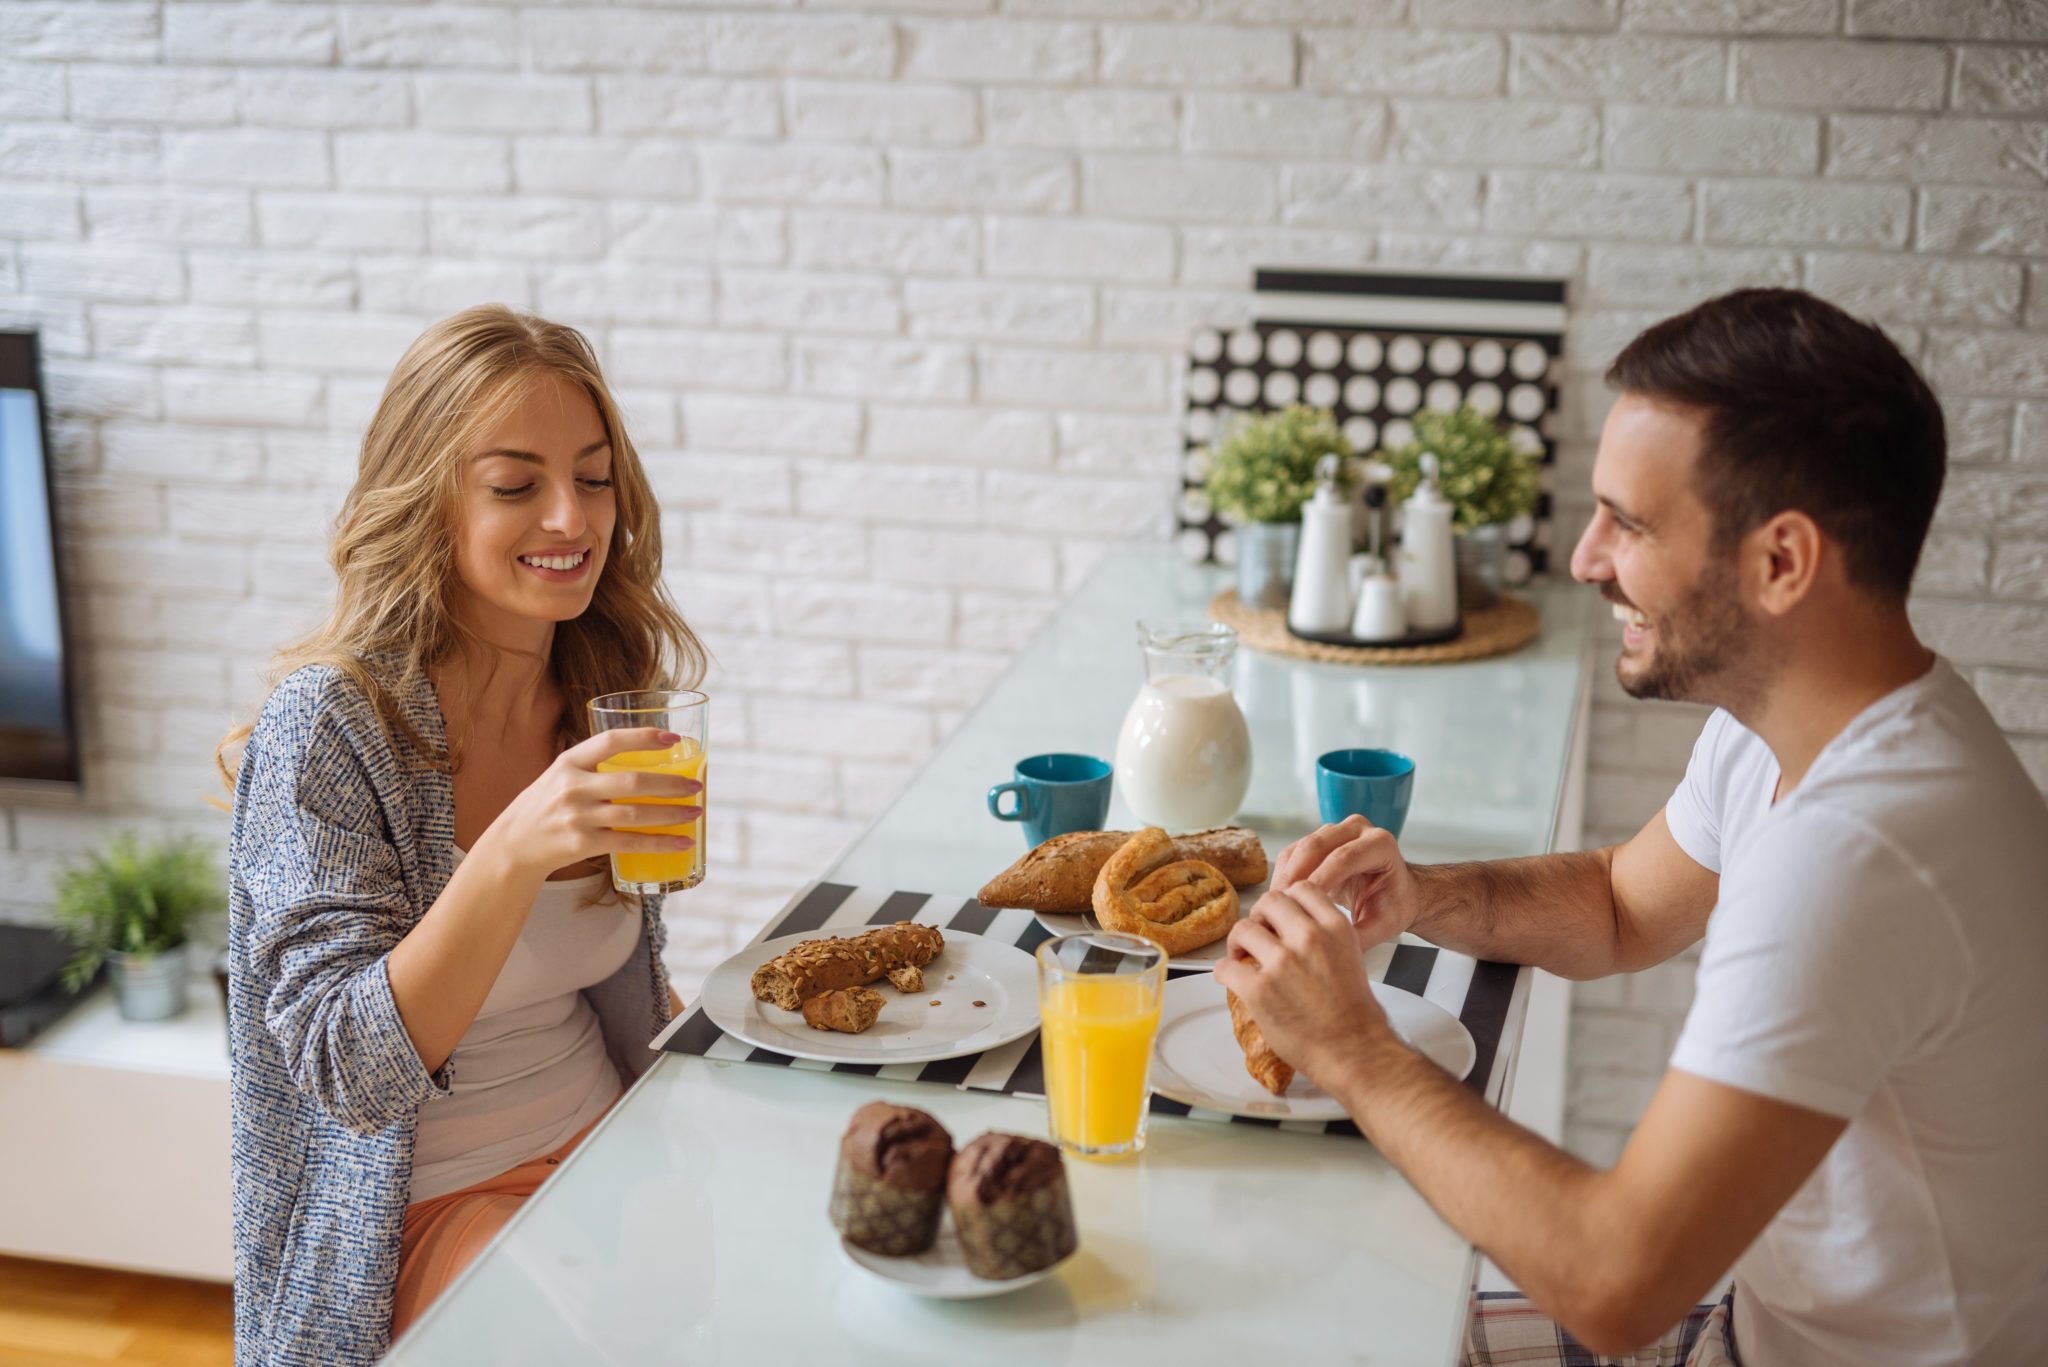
1808 409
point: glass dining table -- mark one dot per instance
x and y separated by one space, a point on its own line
691 1226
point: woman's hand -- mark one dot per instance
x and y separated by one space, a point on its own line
1357 865
572 812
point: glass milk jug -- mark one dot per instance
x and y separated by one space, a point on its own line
1184 757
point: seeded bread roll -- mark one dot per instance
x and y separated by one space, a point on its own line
889 1191
1011 1206
1060 874
817 966
849 1010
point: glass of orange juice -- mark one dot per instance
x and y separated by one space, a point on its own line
1098 1009
684 713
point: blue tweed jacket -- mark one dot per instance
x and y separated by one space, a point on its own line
341 841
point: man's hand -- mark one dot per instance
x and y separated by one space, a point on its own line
1295 960
1358 865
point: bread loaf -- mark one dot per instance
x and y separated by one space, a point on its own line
817 966
1060 874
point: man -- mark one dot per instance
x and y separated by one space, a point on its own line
1856 1113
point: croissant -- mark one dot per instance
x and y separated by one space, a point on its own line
1178 904
1259 1059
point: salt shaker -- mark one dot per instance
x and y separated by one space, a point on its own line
1429 567
1322 570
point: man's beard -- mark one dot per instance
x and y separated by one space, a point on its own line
1700 651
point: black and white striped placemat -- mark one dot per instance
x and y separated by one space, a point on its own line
1484 996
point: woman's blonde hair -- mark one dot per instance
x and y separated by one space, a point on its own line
394 543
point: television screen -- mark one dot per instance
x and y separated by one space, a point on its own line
37 741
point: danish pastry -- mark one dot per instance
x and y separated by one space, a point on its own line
1260 1061
1060 874
1178 904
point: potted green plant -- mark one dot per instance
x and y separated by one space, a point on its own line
1489 479
1261 472
131 906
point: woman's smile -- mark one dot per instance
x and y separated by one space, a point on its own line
558 566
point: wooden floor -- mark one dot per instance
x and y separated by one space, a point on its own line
58 1315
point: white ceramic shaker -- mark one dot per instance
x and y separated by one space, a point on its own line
1429 567
1322 568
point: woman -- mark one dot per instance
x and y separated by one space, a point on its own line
433 991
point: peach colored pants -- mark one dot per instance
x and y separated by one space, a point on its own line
445 1233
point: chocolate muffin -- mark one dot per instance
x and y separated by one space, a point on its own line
1010 1205
888 1194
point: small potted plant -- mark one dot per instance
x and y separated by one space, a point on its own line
1260 474
1489 479
131 906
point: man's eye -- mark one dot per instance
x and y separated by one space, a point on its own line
496 492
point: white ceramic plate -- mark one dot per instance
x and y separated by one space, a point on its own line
910 1029
1070 923
941 1270
1196 1058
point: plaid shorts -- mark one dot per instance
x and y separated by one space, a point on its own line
1507 1329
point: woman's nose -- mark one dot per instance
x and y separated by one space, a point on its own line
564 512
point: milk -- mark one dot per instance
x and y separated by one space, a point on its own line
1184 757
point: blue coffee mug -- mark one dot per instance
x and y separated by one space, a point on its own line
1375 784
1055 794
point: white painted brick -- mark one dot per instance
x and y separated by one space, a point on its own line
723 602
1924 289
322 460
1403 62
465 102
297 573
868 787
246 157
697 232
1002 621
1088 120
1226 257
1629 208
803 45
260 279
802 427
824 240
867 368
184 453
164 676
1071 249
1494 132
1116 380
652 168
919 114
187 336
1169 317
615 292
1832 74
58 31
2037 296
1078 559
612 40
1731 17
44 212
1954 565
1530 14
689 106
1993 363
993 181
789 783
1180 188
649 414
239 514
81 271
378 223
31 90
1680 276
2011 634
330 100
793 174
2004 222
1980 431
2002 80
1992 19
1112 444
1132 509
122 564
205 218
62 152
1663 70
1729 141
1178 56
430 36
692 360
253 398
863 612
267 35
930 678
742 484
435 287
1310 127
1361 197
426 163
527 226
2006 502
1920 149
1837 215
1106 9
971 558
2018 700
807 844
111 510
966 436
150 95
890 494
362 343
776 545
825 302
2030 434
998 50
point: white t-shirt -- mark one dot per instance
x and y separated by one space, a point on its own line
531 1070
1879 952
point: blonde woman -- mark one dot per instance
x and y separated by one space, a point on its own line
433 990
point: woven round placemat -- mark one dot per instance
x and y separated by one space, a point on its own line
1508 625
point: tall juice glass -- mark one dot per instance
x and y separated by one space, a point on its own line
1098 1010
686 714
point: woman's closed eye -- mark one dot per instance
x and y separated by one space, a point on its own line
591 485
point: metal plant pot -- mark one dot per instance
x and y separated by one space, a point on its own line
149 987
1482 561
1265 562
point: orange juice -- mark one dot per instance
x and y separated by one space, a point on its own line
1096 1034
677 868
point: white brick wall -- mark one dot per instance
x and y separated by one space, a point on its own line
895 297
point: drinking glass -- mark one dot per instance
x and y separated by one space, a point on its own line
1098 1010
686 714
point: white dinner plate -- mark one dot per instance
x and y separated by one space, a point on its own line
941 1270
910 1029
1073 923
1196 1058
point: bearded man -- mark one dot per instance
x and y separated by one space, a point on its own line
1855 1117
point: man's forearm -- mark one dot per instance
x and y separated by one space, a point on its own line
1554 910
